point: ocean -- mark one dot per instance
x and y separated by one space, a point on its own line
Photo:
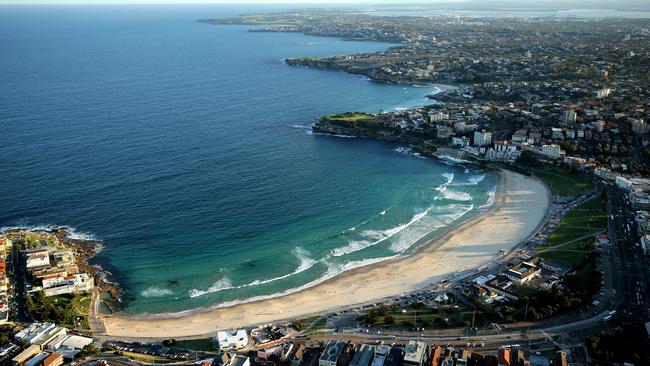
186 148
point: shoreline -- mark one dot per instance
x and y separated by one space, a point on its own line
520 206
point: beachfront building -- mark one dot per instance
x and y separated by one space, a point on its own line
523 272
414 353
331 354
231 342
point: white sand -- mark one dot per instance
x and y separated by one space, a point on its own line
521 206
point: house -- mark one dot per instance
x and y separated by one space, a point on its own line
229 342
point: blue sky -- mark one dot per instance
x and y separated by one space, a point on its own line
221 1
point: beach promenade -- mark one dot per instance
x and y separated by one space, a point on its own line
521 204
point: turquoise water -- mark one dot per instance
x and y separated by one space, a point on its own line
186 148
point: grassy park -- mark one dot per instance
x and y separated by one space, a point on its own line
574 239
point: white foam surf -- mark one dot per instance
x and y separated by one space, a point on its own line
452 195
491 198
72 233
225 284
156 292
434 223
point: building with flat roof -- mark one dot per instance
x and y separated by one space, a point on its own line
331 354
33 332
414 353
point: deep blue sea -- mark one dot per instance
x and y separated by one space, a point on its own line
186 148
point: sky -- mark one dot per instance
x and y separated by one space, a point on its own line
222 1
475 4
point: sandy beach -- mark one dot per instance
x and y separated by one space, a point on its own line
521 204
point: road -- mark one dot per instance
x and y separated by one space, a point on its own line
20 287
628 267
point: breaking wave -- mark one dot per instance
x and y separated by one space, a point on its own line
225 284
73 233
378 236
156 292
491 198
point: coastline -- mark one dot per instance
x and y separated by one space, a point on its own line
520 205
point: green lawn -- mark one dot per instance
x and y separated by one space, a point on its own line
205 344
429 318
352 117
585 220
302 324
561 181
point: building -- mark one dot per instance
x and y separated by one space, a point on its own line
603 93
504 357
37 258
239 360
443 132
363 355
552 151
26 354
414 353
482 138
381 353
395 357
37 360
524 271
639 126
438 116
520 135
460 141
331 354
570 116
560 359
34 331
452 155
230 342
436 354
